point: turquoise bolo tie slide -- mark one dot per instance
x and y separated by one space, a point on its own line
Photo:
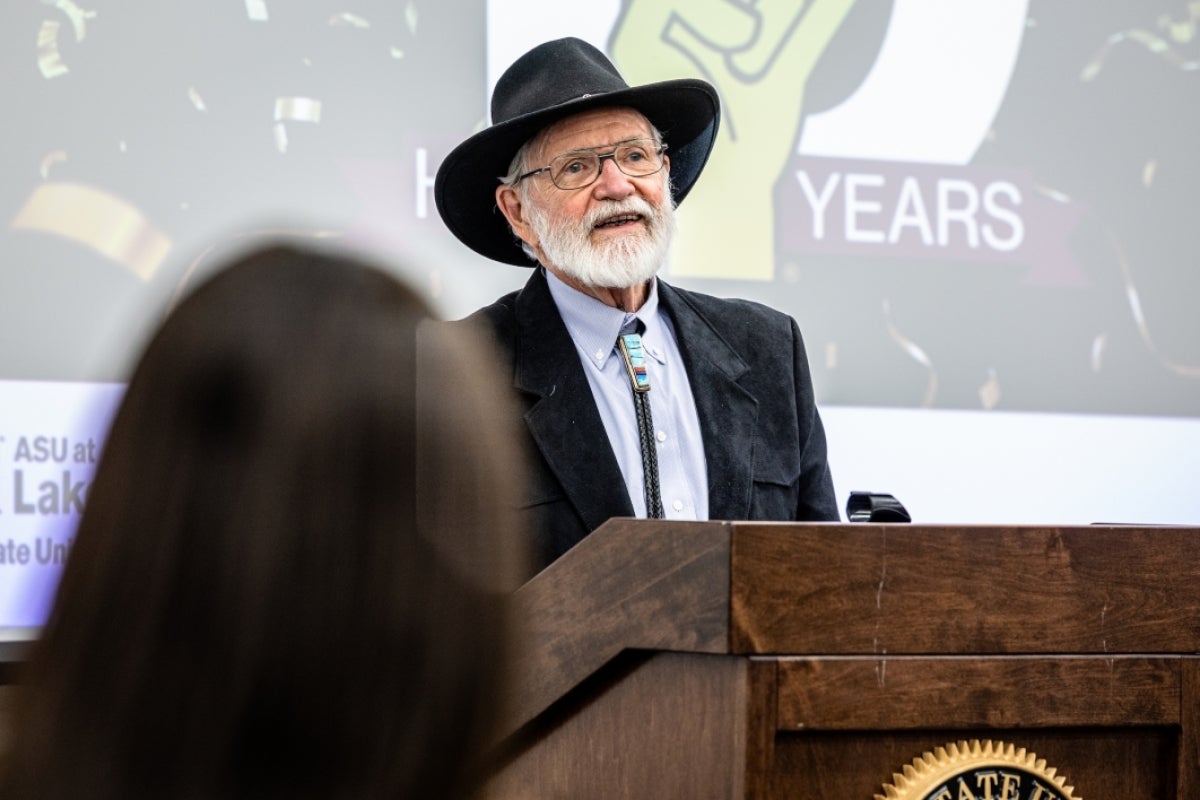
635 361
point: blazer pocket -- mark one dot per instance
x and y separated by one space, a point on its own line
776 476
547 516
539 489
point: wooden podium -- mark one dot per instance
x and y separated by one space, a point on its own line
778 660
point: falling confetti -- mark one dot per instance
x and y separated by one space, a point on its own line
196 99
410 17
1151 41
297 109
75 14
55 157
1098 346
294 109
1148 172
1053 194
914 352
348 20
256 10
1133 297
1183 31
49 60
989 393
281 137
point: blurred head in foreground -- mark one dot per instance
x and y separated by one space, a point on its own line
256 604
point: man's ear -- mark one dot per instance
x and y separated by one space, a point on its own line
508 200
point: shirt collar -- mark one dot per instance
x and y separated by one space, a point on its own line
595 325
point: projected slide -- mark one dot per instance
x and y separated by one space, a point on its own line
983 216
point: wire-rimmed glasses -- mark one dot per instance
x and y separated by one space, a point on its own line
576 169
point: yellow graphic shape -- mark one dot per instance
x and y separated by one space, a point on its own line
759 57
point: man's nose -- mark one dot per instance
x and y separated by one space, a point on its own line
612 183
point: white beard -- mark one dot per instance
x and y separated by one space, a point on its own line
617 263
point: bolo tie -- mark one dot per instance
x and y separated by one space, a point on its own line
630 345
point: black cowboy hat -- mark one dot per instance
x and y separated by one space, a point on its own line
552 81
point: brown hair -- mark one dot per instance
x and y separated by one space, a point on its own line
255 604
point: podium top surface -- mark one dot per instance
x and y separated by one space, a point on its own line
857 590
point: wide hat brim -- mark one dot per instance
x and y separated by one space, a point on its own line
551 82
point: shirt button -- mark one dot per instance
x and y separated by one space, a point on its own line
677 505
661 436
599 355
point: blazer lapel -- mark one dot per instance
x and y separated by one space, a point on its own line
728 413
563 421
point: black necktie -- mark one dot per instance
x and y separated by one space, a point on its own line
630 345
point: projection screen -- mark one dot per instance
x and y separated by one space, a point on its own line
984 216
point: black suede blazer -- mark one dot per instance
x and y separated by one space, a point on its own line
763 439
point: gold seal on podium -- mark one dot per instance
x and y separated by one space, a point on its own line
978 769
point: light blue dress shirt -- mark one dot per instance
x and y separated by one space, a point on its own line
682 471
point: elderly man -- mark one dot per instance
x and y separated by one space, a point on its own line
639 398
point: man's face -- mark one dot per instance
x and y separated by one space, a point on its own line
613 233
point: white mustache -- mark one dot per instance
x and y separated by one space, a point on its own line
630 205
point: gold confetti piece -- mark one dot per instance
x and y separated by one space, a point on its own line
410 17
1053 194
299 109
1151 41
989 393
1148 172
1098 345
914 352
256 10
77 15
281 138
52 158
1139 316
831 355
99 220
1182 31
347 19
49 59
196 99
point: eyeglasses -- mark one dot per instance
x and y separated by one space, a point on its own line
576 169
